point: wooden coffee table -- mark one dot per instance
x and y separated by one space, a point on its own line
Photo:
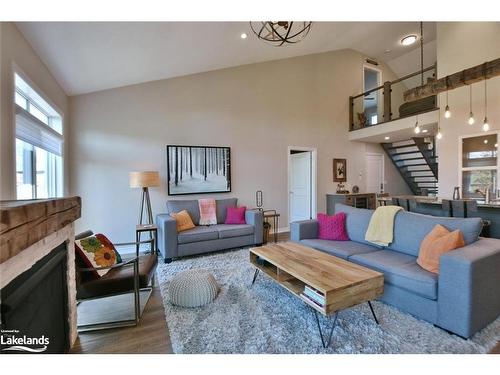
343 284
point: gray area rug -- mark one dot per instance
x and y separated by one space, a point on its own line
265 318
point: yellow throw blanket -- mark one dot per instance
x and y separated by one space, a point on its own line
381 228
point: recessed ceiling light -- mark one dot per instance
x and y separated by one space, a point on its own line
409 40
485 141
387 51
243 36
424 131
387 138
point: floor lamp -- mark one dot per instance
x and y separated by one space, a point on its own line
145 180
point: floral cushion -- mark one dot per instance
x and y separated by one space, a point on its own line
97 251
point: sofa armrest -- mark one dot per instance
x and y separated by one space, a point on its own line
300 230
469 287
167 235
256 218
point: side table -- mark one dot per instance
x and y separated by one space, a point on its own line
274 215
153 234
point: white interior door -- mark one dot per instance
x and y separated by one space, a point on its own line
300 186
374 173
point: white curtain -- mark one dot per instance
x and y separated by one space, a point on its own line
31 130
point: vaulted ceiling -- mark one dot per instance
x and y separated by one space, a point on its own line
93 56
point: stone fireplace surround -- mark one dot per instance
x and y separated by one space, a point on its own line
54 232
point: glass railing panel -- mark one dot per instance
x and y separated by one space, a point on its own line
401 109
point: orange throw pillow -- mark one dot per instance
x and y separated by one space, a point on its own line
183 220
439 241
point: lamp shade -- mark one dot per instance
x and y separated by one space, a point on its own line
144 179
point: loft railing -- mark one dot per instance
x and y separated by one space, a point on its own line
385 103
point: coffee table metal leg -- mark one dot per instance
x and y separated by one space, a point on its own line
326 344
373 312
255 275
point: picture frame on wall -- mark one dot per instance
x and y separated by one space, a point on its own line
339 170
198 169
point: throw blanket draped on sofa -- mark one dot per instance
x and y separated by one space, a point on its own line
381 228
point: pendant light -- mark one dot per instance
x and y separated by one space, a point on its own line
486 126
417 127
439 135
447 113
471 115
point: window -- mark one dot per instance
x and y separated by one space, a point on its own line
39 144
479 166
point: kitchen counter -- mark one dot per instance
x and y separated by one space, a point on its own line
433 206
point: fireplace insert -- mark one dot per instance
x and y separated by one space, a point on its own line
34 308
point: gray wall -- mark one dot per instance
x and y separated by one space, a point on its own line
16 53
258 110
462 45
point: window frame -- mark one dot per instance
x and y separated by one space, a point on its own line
16 70
462 169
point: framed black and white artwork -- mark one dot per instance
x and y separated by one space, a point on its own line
198 169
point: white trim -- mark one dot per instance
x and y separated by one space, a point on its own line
460 161
379 83
383 170
314 184
16 69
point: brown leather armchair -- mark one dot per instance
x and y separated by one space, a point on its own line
132 275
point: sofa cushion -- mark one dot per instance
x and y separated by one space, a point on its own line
411 228
191 206
357 221
400 270
221 208
341 249
236 230
197 234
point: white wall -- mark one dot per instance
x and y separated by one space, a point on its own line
258 110
461 45
15 52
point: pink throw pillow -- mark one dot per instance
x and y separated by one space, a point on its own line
207 211
235 215
332 227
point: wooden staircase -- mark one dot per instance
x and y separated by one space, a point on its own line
416 161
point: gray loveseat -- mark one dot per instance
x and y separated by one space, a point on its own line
463 298
204 239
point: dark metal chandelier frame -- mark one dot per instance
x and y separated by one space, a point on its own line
279 33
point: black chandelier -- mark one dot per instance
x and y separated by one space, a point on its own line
279 33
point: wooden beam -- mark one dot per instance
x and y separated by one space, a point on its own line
23 223
465 77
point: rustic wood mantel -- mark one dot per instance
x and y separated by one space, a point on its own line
25 222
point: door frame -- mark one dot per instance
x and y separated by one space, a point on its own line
314 174
383 169
379 83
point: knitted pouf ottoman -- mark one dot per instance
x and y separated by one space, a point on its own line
192 288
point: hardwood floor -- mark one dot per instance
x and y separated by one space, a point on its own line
150 336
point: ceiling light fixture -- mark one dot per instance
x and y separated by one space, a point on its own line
471 115
424 131
486 126
279 33
243 35
409 40
387 138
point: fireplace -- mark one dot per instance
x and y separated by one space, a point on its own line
34 307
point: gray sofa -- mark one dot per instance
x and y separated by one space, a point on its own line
463 298
204 239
